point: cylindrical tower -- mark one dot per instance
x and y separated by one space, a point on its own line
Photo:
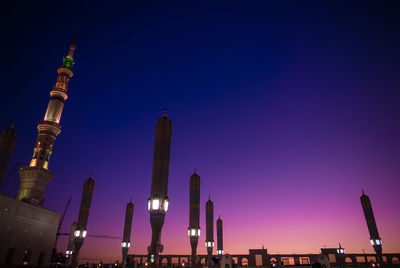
8 139
35 177
194 214
220 246
375 240
126 241
158 200
70 246
209 230
81 231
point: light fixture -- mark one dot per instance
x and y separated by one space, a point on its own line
125 244
156 204
77 233
166 203
194 232
81 234
209 244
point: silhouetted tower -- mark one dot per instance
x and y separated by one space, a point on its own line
194 214
35 177
126 240
158 200
70 245
8 139
81 231
220 246
375 240
209 230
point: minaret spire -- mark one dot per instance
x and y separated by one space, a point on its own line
35 177
72 48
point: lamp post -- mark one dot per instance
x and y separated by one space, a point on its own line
377 245
220 247
70 246
375 239
80 231
341 253
209 231
79 237
158 201
125 248
126 240
194 214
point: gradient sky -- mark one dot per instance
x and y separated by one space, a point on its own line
286 109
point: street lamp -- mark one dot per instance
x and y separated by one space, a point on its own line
209 244
156 203
80 234
125 245
376 242
194 232
341 252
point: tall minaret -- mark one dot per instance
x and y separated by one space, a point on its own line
209 231
375 240
158 200
126 240
35 177
220 246
194 214
81 231
8 139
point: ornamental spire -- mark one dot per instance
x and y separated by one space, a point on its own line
68 61
72 48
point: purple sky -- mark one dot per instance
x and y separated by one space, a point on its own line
287 111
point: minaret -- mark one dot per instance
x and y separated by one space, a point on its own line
158 200
70 246
81 231
8 139
194 214
220 246
126 240
375 240
35 177
209 230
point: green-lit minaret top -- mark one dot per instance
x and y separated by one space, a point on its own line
68 61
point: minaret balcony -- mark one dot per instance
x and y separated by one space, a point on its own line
57 91
52 127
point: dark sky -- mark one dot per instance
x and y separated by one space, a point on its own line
287 109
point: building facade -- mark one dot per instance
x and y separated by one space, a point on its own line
27 231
